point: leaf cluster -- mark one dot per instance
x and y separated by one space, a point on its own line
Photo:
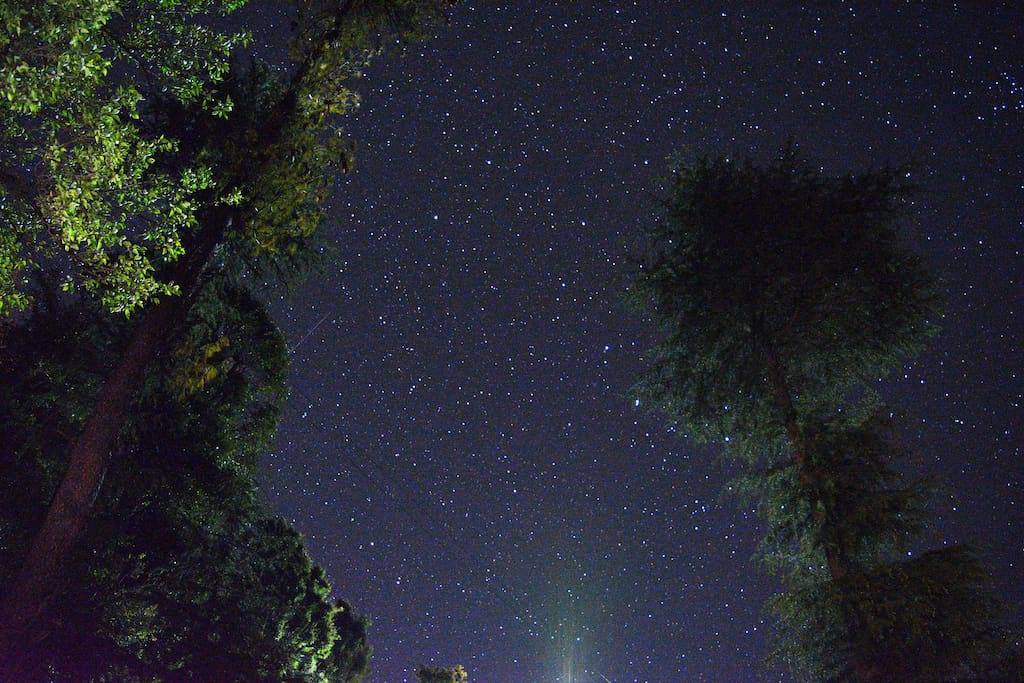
80 179
114 159
183 574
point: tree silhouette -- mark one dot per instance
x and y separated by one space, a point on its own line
145 169
182 575
783 295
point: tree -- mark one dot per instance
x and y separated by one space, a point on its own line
80 176
896 598
182 574
148 169
438 674
779 291
783 295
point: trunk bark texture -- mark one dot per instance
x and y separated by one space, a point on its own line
30 593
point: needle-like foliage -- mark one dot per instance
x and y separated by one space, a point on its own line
784 295
756 268
893 598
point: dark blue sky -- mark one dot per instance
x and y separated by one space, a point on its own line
459 450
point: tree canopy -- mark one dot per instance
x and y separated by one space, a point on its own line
101 174
144 148
754 267
183 574
783 294
85 176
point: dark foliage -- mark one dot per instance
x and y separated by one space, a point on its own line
440 674
183 575
783 295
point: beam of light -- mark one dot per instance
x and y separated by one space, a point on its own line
569 655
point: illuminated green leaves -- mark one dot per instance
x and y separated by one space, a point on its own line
98 96
94 187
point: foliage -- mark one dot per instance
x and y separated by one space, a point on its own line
333 42
438 674
133 169
183 573
97 174
752 261
81 177
783 295
891 601
870 511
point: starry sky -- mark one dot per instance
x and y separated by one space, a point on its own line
458 447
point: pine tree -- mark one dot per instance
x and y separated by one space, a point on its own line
783 295
895 598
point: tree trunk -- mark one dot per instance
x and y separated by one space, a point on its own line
39 577
864 668
27 600
42 571
808 478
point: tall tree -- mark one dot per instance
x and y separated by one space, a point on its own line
897 597
144 198
783 295
182 574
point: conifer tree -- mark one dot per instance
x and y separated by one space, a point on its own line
783 295
898 597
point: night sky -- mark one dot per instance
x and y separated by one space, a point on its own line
458 447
